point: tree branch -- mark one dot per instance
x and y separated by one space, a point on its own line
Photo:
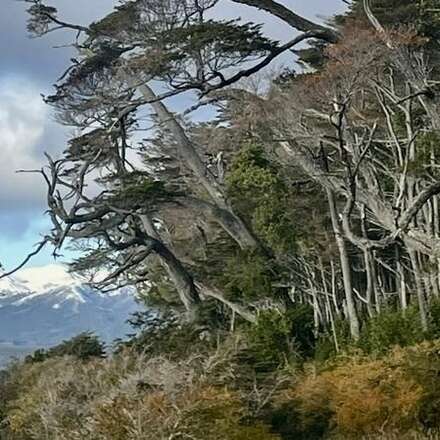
294 20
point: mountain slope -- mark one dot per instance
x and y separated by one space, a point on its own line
41 307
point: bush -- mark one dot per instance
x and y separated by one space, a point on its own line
85 346
422 364
358 397
434 322
281 338
166 335
391 328
361 396
133 396
129 397
325 345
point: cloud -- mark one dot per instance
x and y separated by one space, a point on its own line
25 55
24 124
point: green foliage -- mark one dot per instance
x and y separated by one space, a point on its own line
166 335
270 341
225 38
39 21
302 328
434 319
248 275
138 190
416 14
279 338
391 328
422 364
325 348
261 196
84 347
427 154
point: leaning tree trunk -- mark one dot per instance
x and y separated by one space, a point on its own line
345 266
182 280
230 222
189 291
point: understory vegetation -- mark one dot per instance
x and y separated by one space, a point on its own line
282 226
272 380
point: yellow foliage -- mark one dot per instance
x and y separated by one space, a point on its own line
360 396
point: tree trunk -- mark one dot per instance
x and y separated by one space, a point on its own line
188 290
345 266
419 290
401 281
328 306
230 222
182 280
294 20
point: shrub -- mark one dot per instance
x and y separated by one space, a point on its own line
197 412
166 335
434 323
422 364
279 338
85 346
325 345
129 397
361 396
358 397
391 328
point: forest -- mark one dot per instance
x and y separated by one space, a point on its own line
281 225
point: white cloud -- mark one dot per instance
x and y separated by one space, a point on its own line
24 122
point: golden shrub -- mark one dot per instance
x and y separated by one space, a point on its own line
360 396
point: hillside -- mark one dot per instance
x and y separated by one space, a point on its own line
43 306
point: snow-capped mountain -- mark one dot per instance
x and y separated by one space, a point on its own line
40 307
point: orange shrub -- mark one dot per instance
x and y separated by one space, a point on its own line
360 396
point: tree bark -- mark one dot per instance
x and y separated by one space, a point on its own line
419 290
401 281
345 266
182 280
189 291
231 222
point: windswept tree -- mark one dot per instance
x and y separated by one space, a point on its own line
217 208
112 188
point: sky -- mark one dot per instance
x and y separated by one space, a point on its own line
28 68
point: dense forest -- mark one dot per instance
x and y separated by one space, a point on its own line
282 225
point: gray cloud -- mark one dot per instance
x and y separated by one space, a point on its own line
28 68
23 121
35 58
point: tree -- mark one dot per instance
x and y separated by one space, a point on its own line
204 204
103 94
